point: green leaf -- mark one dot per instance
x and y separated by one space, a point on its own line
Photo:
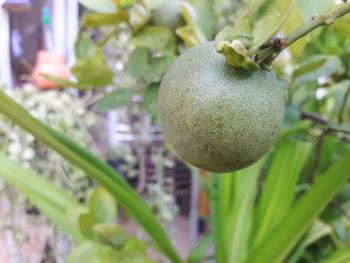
53 202
268 19
125 3
340 256
206 15
242 30
155 38
139 15
261 9
84 47
133 251
297 252
86 223
111 234
240 219
313 7
186 34
138 63
105 175
197 255
114 100
279 187
93 71
95 20
191 34
157 67
217 218
150 101
276 246
311 65
102 6
102 206
318 230
294 21
87 252
65 83
315 67
291 117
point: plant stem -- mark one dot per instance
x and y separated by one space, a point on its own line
330 127
267 55
317 159
343 106
320 20
314 117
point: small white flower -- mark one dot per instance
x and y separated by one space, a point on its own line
15 148
28 154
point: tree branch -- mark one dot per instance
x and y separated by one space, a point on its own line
267 55
330 127
314 117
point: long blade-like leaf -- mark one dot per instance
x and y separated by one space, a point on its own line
279 188
54 203
217 219
281 240
197 255
239 223
226 195
340 256
95 168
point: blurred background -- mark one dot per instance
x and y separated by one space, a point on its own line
43 34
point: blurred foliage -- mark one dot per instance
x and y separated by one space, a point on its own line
93 226
315 73
67 114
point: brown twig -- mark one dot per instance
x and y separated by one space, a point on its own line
314 117
327 130
331 127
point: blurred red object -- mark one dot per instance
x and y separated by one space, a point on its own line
17 5
51 63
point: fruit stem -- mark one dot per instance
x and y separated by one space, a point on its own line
267 55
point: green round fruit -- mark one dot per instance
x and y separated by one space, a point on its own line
168 15
219 118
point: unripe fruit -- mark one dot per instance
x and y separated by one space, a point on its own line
219 118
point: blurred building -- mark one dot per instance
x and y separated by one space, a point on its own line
19 26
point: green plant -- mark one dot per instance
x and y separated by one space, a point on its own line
92 226
280 208
64 112
68 114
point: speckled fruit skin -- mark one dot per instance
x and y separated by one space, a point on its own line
168 15
216 117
